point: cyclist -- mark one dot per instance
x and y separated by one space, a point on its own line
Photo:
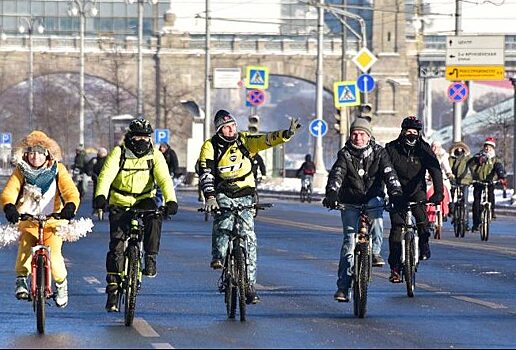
358 177
258 164
79 169
306 172
443 159
40 184
127 179
459 157
412 157
484 166
95 165
227 179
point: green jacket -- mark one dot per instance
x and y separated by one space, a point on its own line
135 180
484 169
460 169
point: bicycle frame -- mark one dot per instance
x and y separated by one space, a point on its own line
44 251
410 224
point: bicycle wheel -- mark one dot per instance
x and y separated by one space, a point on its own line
463 218
303 195
361 280
309 195
230 296
457 220
40 300
409 265
131 287
484 227
241 280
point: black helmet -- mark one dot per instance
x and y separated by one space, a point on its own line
141 127
412 123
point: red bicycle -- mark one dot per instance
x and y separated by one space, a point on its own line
41 270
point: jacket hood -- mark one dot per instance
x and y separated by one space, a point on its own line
37 138
459 144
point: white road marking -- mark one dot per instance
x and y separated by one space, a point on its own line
91 280
479 302
162 346
100 290
144 328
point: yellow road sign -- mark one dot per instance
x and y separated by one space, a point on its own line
475 73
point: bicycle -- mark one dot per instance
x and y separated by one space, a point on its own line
41 270
361 275
131 277
486 213
306 189
234 280
459 212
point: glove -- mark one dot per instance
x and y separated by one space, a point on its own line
331 200
11 213
436 198
451 177
68 211
294 125
100 202
398 202
170 208
211 205
503 182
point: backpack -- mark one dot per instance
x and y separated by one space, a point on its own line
309 168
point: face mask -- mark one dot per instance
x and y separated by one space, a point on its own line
139 147
411 139
458 152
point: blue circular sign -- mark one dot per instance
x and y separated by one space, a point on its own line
365 83
318 128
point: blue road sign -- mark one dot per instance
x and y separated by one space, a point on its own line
365 83
458 92
6 138
318 128
346 94
161 135
256 97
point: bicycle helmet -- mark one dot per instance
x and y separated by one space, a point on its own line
412 122
140 127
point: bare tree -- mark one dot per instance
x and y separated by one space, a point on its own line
502 127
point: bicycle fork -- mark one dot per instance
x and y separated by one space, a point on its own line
44 252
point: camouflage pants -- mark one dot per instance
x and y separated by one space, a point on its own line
222 226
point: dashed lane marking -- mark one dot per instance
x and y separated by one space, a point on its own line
162 346
144 328
479 302
91 280
100 290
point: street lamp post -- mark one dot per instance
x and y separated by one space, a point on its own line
30 24
139 101
82 8
513 81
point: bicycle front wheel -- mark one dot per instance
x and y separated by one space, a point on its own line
131 287
230 296
484 227
409 265
40 300
362 273
457 220
463 220
241 280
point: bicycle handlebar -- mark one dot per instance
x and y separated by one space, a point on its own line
39 217
240 207
491 182
361 207
141 212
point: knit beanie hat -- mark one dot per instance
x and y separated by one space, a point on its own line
361 124
490 141
222 118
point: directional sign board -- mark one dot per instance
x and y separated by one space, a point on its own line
318 128
365 83
346 94
475 73
364 59
161 135
256 97
257 77
474 50
458 92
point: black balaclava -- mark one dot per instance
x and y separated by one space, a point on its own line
411 139
140 147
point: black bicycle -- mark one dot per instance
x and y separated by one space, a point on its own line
361 274
486 209
306 189
133 255
460 214
234 281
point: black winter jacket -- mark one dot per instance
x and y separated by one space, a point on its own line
375 166
411 164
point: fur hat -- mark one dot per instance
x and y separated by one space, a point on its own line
361 124
40 139
459 144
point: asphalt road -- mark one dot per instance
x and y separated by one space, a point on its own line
464 297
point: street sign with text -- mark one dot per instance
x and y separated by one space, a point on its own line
471 50
475 73
227 78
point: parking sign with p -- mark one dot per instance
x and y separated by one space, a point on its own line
161 136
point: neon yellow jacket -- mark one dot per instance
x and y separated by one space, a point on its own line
232 175
135 181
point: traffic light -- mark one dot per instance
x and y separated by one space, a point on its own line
366 111
253 120
337 125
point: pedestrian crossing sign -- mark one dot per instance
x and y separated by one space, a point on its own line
257 77
346 94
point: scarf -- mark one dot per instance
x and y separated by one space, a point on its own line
42 177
